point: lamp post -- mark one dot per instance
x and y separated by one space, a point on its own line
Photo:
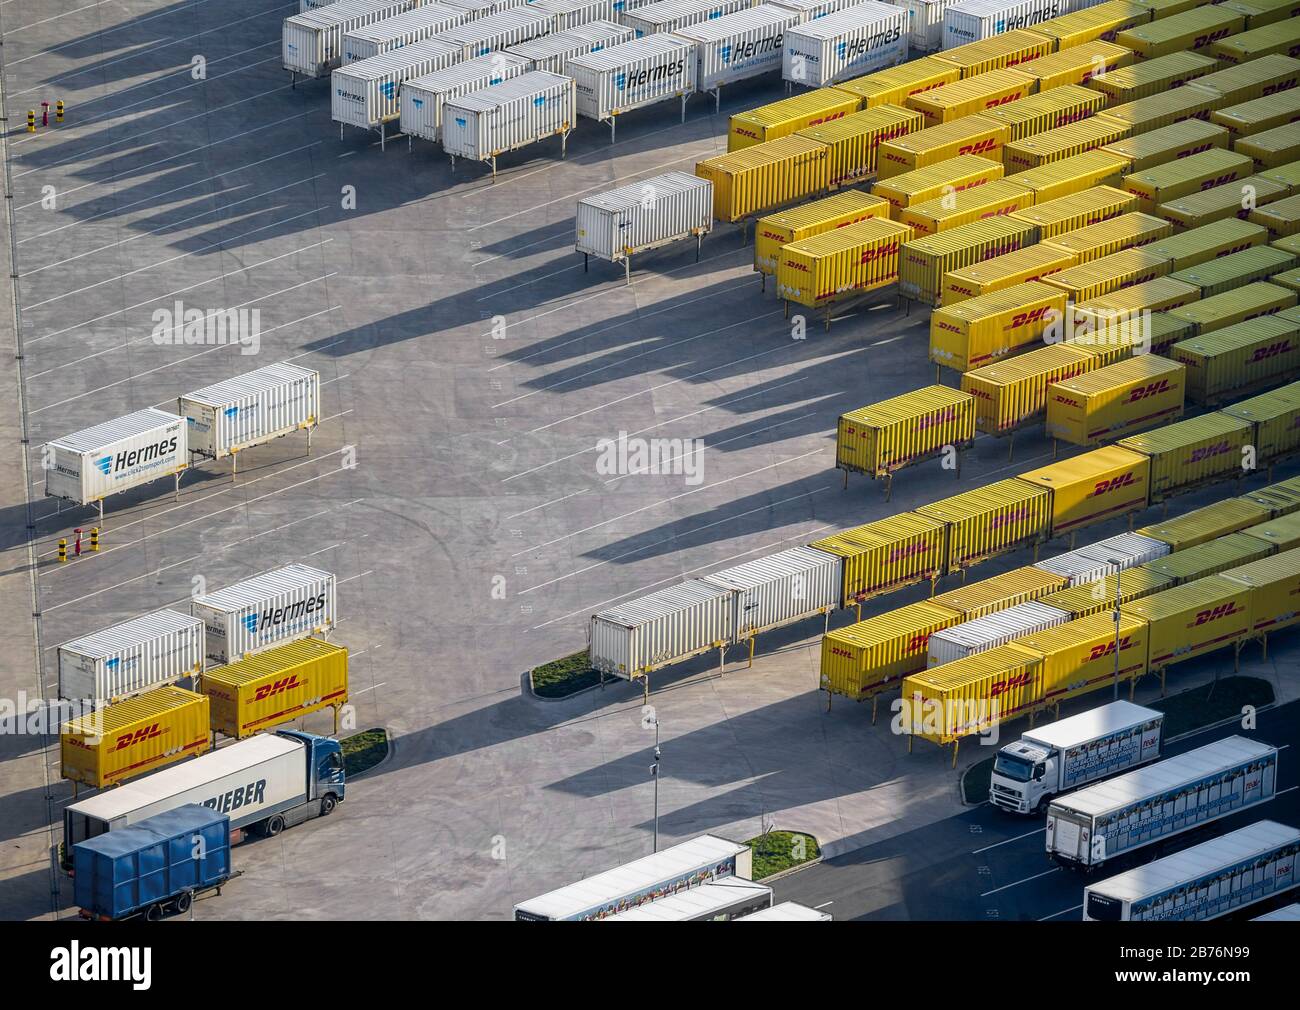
1115 565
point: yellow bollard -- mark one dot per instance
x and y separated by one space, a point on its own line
94 538
63 550
31 120
58 111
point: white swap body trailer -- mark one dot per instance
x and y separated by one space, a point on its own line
669 15
507 116
400 30
131 657
673 624
422 99
1288 913
498 31
482 8
89 465
991 630
676 868
1204 882
718 901
808 10
786 911
553 52
312 43
740 45
858 40
271 608
257 407
366 94
1094 562
1072 752
644 215
925 24
1110 818
780 589
973 20
617 80
566 14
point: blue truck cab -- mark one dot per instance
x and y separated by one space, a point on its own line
326 776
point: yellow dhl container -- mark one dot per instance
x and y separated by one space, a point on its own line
1236 359
1031 263
956 175
1259 114
897 432
1169 143
1163 109
1078 210
981 330
998 52
1096 241
1165 183
1242 82
138 735
1288 175
1099 597
1109 328
1282 533
1289 244
1281 38
1281 217
971 96
1276 417
1075 174
809 219
1289 279
780 119
1180 33
1209 523
1278 499
971 135
1235 306
765 176
1063 142
994 199
849 260
1199 245
1228 272
925 261
1079 656
855 140
1152 77
1151 296
1187 454
276 686
1076 65
895 85
874 655
1168 8
1222 202
887 555
1048 111
991 520
1272 148
1259 13
1013 394
1092 487
1100 277
1274 585
1120 399
1103 21
1210 558
988 596
1193 619
972 695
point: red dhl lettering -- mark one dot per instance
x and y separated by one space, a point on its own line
741 131
890 156
946 326
1003 686
1216 613
1205 40
1273 89
896 131
917 643
839 651
1000 212
1220 181
1234 249
1013 516
986 395
1069 401
279 687
826 119
948 414
969 185
1189 151
908 551
1025 318
979 147
1209 451
993 103
1152 389
139 736
793 265
1098 651
777 236
1087 76
1271 351
877 252
925 87
1113 484
961 289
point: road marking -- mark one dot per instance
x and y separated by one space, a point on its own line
1027 834
1072 908
517 249
368 571
824 904
1036 876
119 585
553 501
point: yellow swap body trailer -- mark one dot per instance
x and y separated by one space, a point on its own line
277 686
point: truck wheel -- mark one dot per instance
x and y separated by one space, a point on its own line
183 902
273 826
327 804
154 913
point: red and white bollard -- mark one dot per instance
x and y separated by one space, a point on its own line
45 113
76 547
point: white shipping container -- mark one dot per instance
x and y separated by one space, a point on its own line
739 45
254 408
312 43
422 99
973 20
669 15
366 94
1128 550
482 8
632 75
858 40
780 589
808 10
271 608
567 14
1076 567
684 620
644 215
553 52
992 630
401 30
507 116
925 23
89 465
498 31
131 657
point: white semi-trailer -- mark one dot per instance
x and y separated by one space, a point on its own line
1071 753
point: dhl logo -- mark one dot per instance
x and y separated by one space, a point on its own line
1003 686
279 687
925 87
890 156
1087 76
969 185
979 147
795 265
1026 318
1151 389
1220 181
984 394
878 252
1208 451
1271 351
826 119
1216 613
1188 152
1235 249
1098 651
907 552
1273 89
1206 39
1000 212
961 289
777 236
837 650
139 736
945 326
1113 484
993 103
897 131
1066 118
740 131
1013 516
948 414
1068 401
917 643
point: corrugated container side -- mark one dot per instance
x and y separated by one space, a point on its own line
1032 263
969 135
1103 21
1151 77
896 84
1193 619
1210 558
1283 38
131 657
1069 213
1208 523
1215 277
855 140
978 331
1168 143
887 555
972 695
1098 596
1274 588
1020 585
1100 277
1106 238
1013 394
1060 143
971 96
136 736
776 230
850 260
644 215
1164 108
956 175
1009 49
1093 487
1222 202
668 626
1117 400
1206 170
1075 174
874 655
766 176
924 262
1077 65
1193 452
1189 31
780 589
1079 656
983 633
1211 241
789 115
1235 306
992 520
276 686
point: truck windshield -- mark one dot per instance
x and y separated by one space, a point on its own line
1014 768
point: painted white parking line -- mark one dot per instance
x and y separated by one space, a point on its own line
517 249
119 585
78 10
1027 834
553 501
1036 876
362 575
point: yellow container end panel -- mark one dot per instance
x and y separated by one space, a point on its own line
893 86
1189 31
1079 210
1145 78
1193 619
855 140
1276 417
887 555
956 175
1129 231
971 96
1118 400
1063 142
925 261
970 135
1272 148
1031 263
1100 277
994 199
766 176
979 331
1009 49
1020 585
1165 108
1244 81
1192 452
135 736
1104 21
1281 217
1282 533
1169 143
1154 186
1251 355
1092 487
991 520
850 260
1079 656
1013 394
1274 585
1235 306
1075 174
1210 558
276 686
1077 64
1208 523
1198 245
1099 597
873 655
894 433
972 695
809 219
1283 37
1222 202
780 119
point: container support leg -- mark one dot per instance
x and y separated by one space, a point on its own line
762 282
1132 688
1163 671
889 484
956 744
100 503
410 144
293 80
336 720
340 131
383 137
722 659
309 431
1011 446
645 689
910 738
494 169
627 269
1055 446
178 487
1236 658
1263 641
875 703
846 479
584 262
699 241
234 467
564 145
938 379
717 100
612 121
683 108
829 696
751 652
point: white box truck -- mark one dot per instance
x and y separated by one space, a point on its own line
1073 752
1148 805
